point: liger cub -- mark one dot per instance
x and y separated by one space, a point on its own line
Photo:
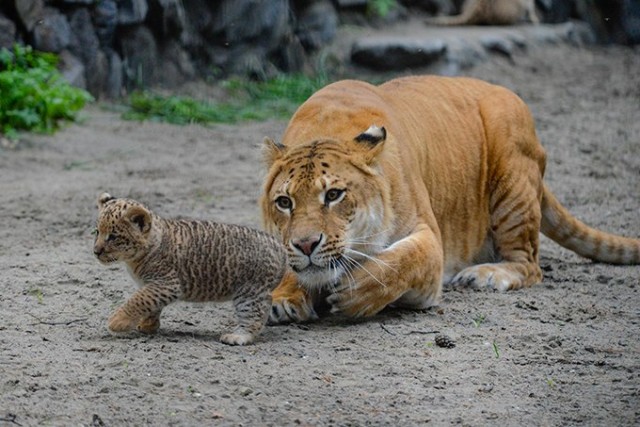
382 194
189 260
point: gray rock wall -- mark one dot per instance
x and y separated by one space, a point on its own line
112 46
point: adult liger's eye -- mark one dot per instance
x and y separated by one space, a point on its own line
284 203
333 195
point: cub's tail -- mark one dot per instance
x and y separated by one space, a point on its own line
558 224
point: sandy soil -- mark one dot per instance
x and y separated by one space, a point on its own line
564 352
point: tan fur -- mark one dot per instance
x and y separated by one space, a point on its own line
438 180
490 12
188 260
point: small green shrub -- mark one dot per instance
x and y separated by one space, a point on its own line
380 8
35 96
277 98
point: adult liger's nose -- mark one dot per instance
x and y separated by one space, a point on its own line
308 244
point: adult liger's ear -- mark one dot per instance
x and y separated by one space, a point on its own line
372 141
104 198
271 151
139 217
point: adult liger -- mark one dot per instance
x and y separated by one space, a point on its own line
383 193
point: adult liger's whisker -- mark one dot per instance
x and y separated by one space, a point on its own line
377 261
350 279
366 271
368 236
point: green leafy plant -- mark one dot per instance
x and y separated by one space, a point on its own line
251 100
495 349
38 294
478 320
380 8
35 96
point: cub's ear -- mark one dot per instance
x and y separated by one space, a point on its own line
271 150
104 198
140 217
372 140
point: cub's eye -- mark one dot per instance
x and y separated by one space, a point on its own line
111 237
332 195
94 232
284 203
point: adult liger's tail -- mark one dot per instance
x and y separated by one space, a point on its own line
559 225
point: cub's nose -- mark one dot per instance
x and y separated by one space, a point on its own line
308 244
97 251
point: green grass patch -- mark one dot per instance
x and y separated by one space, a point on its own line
249 100
35 97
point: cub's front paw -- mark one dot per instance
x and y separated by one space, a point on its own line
121 322
150 325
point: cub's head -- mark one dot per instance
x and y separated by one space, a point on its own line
122 229
328 202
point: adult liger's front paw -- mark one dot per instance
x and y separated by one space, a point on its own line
290 302
291 310
362 295
121 322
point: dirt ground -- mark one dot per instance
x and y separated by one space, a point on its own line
565 352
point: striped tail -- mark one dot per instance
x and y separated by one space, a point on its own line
558 224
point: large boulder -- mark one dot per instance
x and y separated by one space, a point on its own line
7 32
52 32
396 52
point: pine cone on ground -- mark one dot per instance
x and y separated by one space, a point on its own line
444 341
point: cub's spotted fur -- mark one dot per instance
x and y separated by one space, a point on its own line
187 260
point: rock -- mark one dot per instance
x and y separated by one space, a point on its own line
84 41
256 22
500 45
168 17
177 67
433 7
7 32
86 46
292 56
72 69
199 16
351 3
317 24
555 11
630 22
105 19
140 56
113 86
30 12
52 32
96 74
252 63
132 11
396 53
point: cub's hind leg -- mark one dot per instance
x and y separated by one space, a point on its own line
515 227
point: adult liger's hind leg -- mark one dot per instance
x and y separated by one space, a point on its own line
252 310
515 227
